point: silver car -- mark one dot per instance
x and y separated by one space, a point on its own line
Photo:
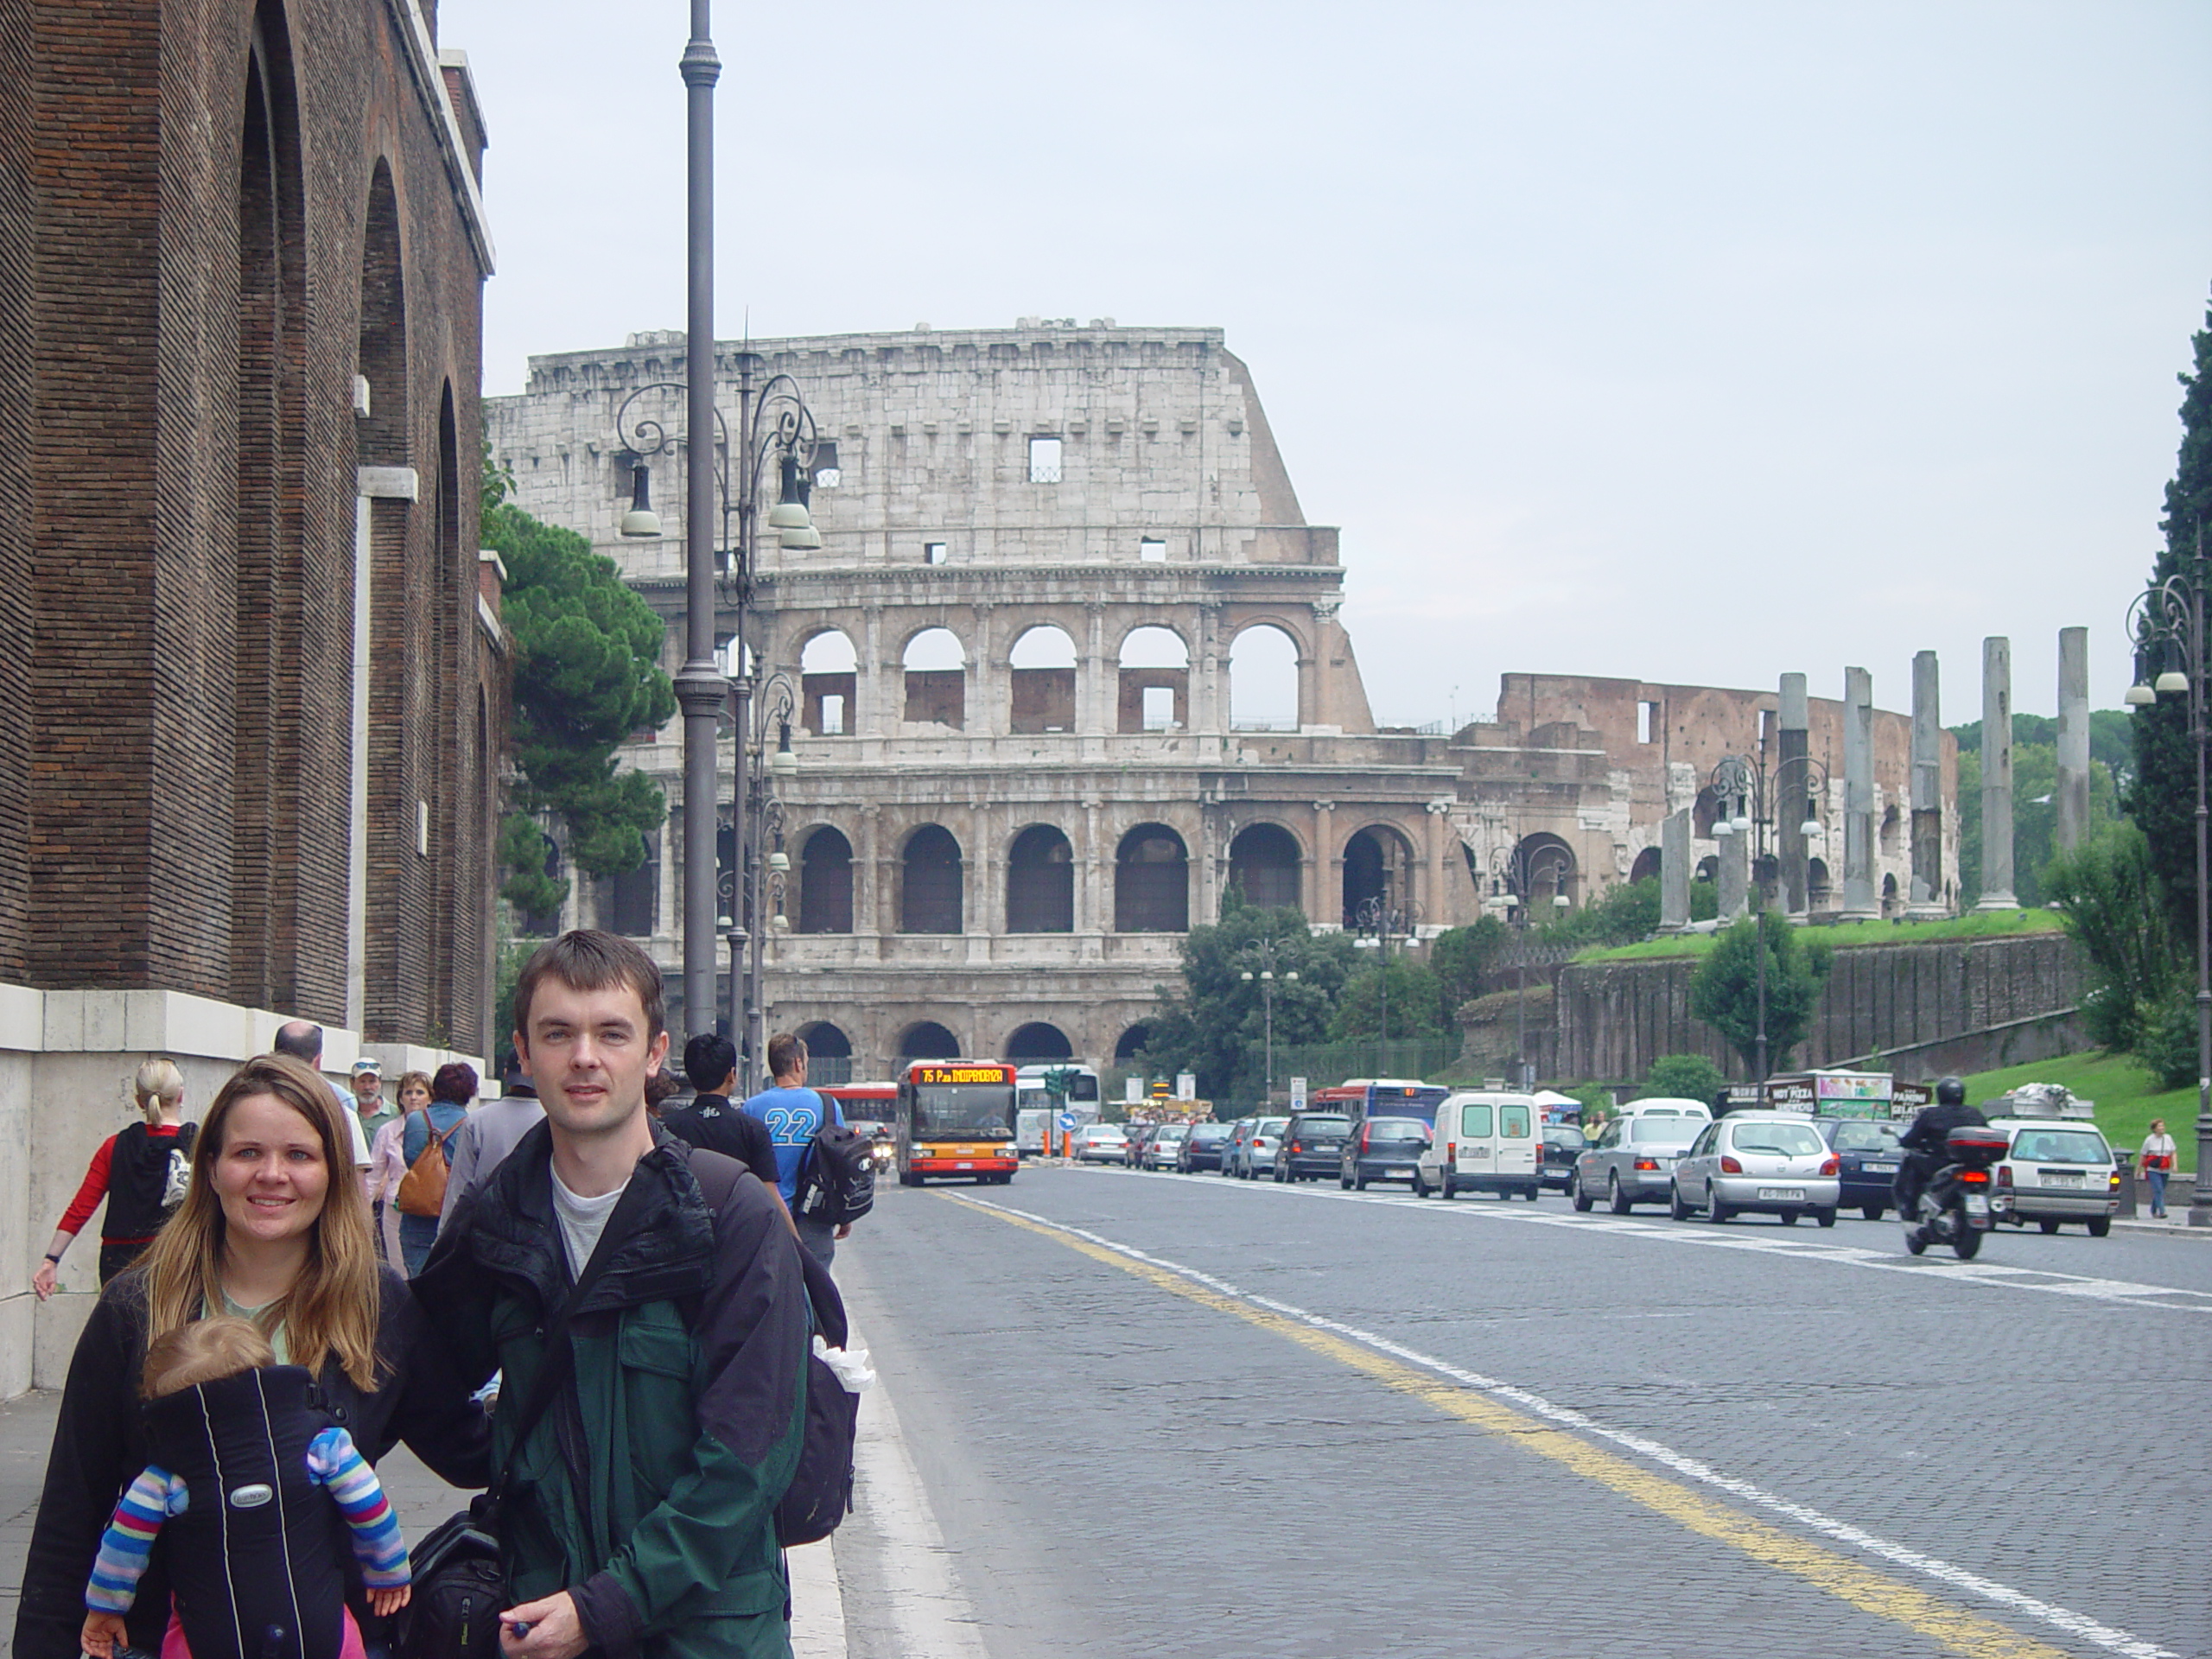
1165 1145
1773 1162
1630 1162
1256 1153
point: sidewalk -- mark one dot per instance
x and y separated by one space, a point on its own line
421 1499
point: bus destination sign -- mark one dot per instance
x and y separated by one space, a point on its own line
944 1074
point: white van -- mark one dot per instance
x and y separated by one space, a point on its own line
1483 1143
1669 1106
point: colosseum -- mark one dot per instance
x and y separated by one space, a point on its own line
1068 667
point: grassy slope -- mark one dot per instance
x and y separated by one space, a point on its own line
2127 1098
1974 926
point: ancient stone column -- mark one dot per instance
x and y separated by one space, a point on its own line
2073 802
1859 902
1926 901
1674 872
1792 787
1997 775
1734 847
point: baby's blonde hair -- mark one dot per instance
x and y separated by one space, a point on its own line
205 1350
159 1085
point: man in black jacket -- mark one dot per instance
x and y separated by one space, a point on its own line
710 1120
1924 1144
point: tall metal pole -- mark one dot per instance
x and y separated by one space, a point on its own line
701 691
2200 1209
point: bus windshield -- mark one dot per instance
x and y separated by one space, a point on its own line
965 1111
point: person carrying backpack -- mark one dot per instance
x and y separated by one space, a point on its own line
655 1427
794 1114
139 1171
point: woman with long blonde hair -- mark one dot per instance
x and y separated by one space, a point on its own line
132 1171
266 1233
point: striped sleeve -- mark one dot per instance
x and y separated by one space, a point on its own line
128 1540
378 1545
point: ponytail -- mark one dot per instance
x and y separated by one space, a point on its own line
159 1085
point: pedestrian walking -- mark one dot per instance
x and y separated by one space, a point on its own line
711 1120
645 1526
266 1232
388 1163
793 1112
436 1125
2158 1163
220 1409
302 1041
139 1171
493 1130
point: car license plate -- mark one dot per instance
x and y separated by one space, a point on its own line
965 1165
1781 1193
1879 1169
2061 1178
1977 1204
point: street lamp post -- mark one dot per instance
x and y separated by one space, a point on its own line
1514 871
1748 795
1263 953
1378 921
2168 620
774 426
762 859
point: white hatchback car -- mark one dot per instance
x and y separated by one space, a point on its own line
1773 1162
1101 1143
2057 1171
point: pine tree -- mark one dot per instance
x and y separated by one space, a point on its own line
2164 798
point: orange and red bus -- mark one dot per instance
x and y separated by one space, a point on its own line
865 1102
1359 1098
956 1118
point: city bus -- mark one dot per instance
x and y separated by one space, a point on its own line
865 1104
956 1118
1359 1098
1034 1130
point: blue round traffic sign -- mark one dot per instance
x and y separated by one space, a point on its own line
1067 1120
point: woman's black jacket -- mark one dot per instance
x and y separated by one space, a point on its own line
100 1446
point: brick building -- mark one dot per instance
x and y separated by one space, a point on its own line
1066 666
251 680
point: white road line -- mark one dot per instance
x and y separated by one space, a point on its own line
2079 1625
921 1598
1945 1268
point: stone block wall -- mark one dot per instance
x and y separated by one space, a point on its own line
1964 1005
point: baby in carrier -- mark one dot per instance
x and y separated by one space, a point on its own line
246 1468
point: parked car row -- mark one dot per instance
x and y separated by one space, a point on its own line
1660 1151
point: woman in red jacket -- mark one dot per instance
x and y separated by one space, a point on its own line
131 1172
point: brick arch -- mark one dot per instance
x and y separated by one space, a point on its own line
829 697
1380 860
1040 879
1265 881
270 787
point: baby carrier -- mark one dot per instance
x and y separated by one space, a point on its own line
255 1560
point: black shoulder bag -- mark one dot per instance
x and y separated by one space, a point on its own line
459 1588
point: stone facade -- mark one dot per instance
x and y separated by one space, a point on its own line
998 852
251 690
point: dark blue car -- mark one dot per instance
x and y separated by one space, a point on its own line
1866 1153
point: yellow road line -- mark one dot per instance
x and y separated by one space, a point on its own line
1839 1575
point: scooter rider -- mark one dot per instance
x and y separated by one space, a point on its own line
1923 1146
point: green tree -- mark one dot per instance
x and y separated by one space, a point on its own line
1625 913
1467 961
1724 992
2163 799
1215 1019
1682 1077
586 677
1417 1006
2107 893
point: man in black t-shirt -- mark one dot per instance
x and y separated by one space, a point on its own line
711 1121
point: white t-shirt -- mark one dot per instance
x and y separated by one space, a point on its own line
2157 1146
582 1220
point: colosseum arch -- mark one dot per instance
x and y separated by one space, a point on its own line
925 1040
1378 870
1155 681
1040 882
1131 1043
1039 1041
935 665
1265 865
825 881
1264 691
1551 873
828 676
1647 866
930 884
1152 882
1041 680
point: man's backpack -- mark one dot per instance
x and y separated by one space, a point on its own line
837 1183
821 1493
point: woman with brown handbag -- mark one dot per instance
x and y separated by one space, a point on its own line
427 1146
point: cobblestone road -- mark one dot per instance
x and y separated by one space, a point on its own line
1163 1414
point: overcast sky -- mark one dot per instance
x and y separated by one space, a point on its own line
1696 342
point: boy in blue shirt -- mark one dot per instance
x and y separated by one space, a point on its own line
792 1113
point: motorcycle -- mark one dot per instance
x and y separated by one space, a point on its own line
881 1156
1954 1206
